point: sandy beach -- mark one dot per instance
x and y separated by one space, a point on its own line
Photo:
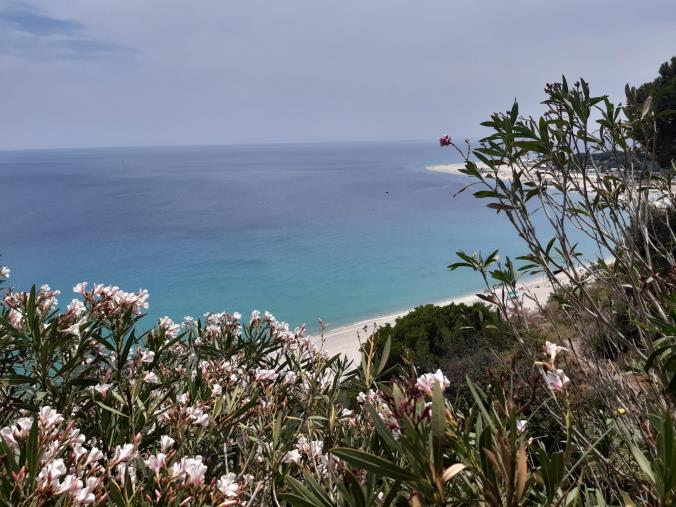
503 171
346 339
451 168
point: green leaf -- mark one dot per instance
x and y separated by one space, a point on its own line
355 489
438 425
392 494
500 207
372 463
116 495
643 462
317 490
482 194
32 449
384 355
303 492
480 403
15 380
297 500
382 430
110 409
514 113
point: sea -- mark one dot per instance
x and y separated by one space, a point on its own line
338 231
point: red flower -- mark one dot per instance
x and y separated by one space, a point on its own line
445 140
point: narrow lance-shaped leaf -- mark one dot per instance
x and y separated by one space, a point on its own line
372 463
438 425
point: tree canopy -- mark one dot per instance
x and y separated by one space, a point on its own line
662 91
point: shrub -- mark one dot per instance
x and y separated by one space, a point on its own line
459 339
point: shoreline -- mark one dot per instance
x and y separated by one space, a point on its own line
346 339
454 169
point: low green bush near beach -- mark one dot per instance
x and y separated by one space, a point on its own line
461 340
241 411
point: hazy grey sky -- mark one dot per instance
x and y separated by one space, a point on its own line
138 72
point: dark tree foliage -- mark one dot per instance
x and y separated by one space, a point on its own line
459 339
663 93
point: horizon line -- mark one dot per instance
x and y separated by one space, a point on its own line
216 145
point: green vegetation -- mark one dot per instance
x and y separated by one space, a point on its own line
460 340
662 95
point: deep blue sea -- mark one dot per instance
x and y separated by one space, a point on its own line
338 231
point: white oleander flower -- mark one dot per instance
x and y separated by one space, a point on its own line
70 484
557 380
85 495
194 469
290 377
313 448
50 474
147 356
74 329
76 307
170 329
7 435
79 451
24 427
156 462
426 382
263 374
166 443
123 453
49 418
94 455
15 318
293 456
80 288
197 416
553 350
102 389
227 485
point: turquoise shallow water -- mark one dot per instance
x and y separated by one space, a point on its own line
337 231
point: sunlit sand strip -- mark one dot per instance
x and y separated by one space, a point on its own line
503 171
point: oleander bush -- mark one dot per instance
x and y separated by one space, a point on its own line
228 411
613 303
218 411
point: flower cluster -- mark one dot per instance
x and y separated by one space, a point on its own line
555 378
202 396
17 303
68 464
111 301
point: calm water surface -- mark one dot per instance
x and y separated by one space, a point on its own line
337 231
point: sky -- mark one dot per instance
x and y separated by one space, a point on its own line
86 73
